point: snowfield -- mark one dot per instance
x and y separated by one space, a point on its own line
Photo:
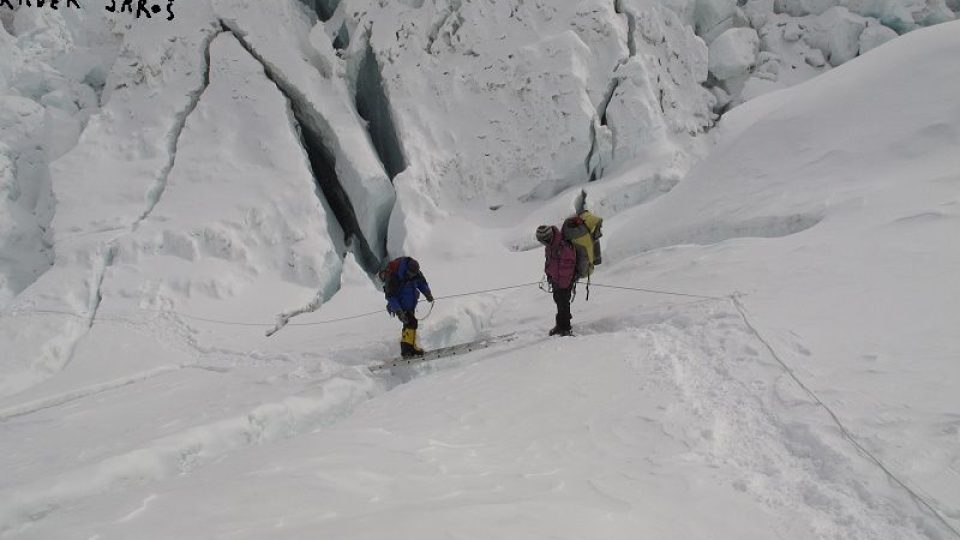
770 348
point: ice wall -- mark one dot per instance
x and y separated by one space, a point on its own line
306 70
105 186
190 189
799 39
510 102
52 69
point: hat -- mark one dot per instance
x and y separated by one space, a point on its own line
545 234
413 267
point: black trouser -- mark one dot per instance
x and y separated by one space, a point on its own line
562 298
408 337
409 320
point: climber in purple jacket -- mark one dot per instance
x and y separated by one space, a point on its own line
565 263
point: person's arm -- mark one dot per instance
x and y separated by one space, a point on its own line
424 287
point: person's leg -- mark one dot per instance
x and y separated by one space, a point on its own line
556 324
562 298
404 341
408 341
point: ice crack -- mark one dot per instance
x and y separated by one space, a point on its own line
374 107
322 160
160 185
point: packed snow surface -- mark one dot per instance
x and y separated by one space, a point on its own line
770 346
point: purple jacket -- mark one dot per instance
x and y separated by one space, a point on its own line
563 264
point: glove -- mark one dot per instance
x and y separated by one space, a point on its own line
429 297
391 312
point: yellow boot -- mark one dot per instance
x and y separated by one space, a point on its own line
408 343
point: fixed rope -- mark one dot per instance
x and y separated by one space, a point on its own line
847 434
447 297
657 291
120 318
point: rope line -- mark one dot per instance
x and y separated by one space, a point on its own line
656 291
339 319
847 434
473 293
81 315
487 291
120 317
100 317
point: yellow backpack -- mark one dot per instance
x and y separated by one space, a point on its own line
583 230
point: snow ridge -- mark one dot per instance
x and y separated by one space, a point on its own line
31 407
327 402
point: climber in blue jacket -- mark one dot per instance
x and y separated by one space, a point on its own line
402 284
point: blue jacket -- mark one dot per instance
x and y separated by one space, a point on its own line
402 289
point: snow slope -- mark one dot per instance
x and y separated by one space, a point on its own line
856 176
831 208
